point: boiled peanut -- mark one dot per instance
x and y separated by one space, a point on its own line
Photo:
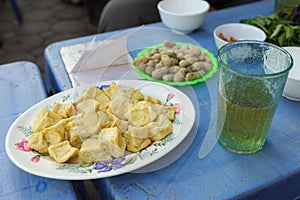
195 51
182 71
151 63
158 73
142 67
140 60
198 65
174 69
156 60
174 61
194 75
149 70
187 55
207 59
207 66
154 51
156 56
191 59
191 68
159 65
180 56
165 60
168 52
168 77
184 63
201 57
169 43
178 77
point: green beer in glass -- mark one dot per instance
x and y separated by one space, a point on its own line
252 75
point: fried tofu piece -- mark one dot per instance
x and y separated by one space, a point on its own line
86 124
116 143
97 94
121 124
37 142
138 131
143 113
103 99
62 152
64 110
120 102
160 128
104 119
74 138
73 135
44 119
54 134
136 138
92 151
87 105
91 122
135 95
155 110
108 91
170 111
139 115
68 124
151 100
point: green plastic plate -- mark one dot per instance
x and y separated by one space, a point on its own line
202 79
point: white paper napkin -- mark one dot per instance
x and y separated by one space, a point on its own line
97 61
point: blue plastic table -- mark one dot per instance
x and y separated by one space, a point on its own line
273 173
21 87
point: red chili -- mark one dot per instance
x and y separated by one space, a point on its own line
231 39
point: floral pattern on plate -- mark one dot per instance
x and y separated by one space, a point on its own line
108 165
35 163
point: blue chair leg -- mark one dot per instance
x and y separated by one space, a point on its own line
16 10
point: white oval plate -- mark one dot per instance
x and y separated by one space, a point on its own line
32 162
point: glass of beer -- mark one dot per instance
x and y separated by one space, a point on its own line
252 76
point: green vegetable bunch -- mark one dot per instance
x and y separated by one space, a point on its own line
282 28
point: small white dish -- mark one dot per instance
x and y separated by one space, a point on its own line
239 31
34 163
183 16
292 87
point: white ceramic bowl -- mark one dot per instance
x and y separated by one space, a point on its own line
183 16
292 86
239 31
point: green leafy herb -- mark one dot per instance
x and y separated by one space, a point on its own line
282 28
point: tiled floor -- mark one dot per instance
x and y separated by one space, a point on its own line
44 22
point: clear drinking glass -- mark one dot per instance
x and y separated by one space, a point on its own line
252 75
